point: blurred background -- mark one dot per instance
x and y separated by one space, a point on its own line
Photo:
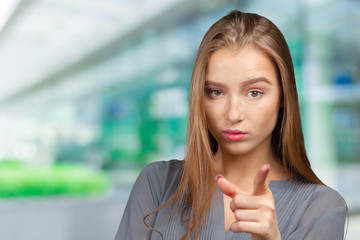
93 90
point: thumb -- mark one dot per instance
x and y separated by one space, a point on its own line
226 187
260 185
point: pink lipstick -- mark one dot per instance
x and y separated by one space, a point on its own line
234 135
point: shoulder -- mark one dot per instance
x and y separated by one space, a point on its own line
155 183
323 199
314 211
162 176
321 194
309 210
162 169
164 166
312 191
328 198
306 196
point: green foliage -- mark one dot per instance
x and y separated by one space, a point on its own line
21 180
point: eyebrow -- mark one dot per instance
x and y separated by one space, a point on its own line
245 83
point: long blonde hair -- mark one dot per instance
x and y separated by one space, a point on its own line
196 181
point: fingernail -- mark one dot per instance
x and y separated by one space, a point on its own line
267 168
218 176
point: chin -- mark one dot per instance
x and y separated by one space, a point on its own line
236 148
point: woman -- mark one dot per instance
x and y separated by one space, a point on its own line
245 131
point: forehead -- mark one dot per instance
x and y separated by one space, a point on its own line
244 63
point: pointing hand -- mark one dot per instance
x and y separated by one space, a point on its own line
255 213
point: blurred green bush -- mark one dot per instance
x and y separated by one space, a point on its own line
18 179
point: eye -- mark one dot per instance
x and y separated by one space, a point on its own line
214 92
255 94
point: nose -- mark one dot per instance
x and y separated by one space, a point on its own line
235 111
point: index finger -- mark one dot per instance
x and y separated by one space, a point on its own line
260 185
226 187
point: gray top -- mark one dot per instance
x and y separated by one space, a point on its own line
304 210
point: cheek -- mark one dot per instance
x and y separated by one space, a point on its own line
265 116
209 114
212 116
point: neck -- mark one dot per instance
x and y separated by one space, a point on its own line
241 169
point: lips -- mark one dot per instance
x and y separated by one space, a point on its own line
234 135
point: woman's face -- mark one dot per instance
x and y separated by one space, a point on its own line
242 100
